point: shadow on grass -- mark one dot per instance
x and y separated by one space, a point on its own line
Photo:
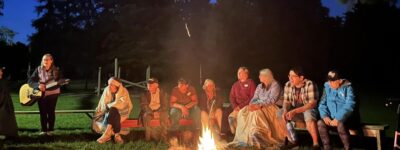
37 130
134 135
72 137
28 130
86 102
34 138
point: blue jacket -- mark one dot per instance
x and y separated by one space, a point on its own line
337 104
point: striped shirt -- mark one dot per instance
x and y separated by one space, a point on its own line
41 76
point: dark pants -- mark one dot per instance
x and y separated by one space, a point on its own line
114 119
324 134
47 108
147 117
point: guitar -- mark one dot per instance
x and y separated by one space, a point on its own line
29 95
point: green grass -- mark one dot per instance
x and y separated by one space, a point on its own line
72 131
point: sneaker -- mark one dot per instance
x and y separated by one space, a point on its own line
104 138
118 139
43 133
316 147
289 145
49 133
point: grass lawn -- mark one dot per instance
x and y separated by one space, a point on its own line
72 131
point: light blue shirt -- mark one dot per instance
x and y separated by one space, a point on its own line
266 95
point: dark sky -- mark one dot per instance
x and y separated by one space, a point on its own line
18 15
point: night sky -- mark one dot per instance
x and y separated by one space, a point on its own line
18 15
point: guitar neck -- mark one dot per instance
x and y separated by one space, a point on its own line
51 84
55 83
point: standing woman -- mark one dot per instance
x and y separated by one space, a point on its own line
42 75
8 125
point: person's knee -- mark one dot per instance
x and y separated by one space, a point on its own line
311 125
203 114
321 123
218 112
341 127
147 116
113 110
175 113
196 110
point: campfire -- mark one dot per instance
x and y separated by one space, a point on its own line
207 141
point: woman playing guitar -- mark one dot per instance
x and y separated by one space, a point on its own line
44 74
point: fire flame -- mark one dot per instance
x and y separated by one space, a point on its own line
207 141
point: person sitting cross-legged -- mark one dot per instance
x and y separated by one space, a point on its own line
114 107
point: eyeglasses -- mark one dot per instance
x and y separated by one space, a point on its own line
292 76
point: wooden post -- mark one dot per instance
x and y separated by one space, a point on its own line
119 72
99 82
116 67
148 73
201 77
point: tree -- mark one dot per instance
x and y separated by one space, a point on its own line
1 7
370 40
276 34
62 31
7 35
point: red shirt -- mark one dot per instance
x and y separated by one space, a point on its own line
183 98
241 93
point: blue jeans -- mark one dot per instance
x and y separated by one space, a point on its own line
176 115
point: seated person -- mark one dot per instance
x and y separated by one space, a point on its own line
258 123
114 107
183 104
241 93
211 106
336 106
300 99
154 105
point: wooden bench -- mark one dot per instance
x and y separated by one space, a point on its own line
375 131
369 130
88 113
134 123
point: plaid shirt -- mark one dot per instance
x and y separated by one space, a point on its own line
307 93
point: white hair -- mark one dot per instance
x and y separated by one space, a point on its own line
267 73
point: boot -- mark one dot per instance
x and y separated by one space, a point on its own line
106 135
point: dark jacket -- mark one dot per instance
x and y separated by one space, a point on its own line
145 99
8 123
205 105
